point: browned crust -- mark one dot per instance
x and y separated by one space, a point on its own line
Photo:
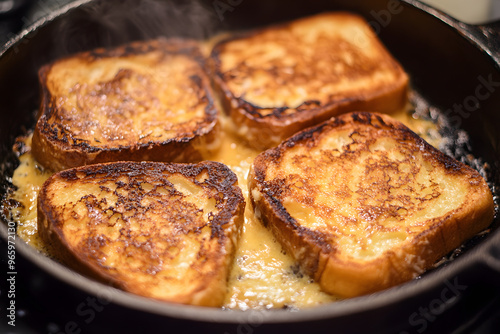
317 254
209 288
56 148
269 126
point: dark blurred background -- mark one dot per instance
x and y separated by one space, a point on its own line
18 14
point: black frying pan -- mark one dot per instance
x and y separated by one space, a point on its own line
454 68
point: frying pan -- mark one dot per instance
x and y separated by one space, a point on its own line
454 70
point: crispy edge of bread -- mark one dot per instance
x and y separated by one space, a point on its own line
211 291
53 154
263 132
355 278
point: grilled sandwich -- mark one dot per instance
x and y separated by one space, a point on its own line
278 80
363 203
143 101
161 230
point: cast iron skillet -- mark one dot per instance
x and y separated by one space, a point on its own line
454 67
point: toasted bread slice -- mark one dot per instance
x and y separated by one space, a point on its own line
363 203
161 230
143 101
279 80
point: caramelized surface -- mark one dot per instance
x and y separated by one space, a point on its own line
284 78
144 101
316 59
161 231
130 99
263 275
363 203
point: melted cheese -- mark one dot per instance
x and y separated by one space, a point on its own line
28 179
263 275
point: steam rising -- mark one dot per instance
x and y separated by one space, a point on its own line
110 23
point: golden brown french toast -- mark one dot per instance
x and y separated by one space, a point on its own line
142 101
161 230
363 203
279 80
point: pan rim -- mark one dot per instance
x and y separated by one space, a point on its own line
40 22
337 309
